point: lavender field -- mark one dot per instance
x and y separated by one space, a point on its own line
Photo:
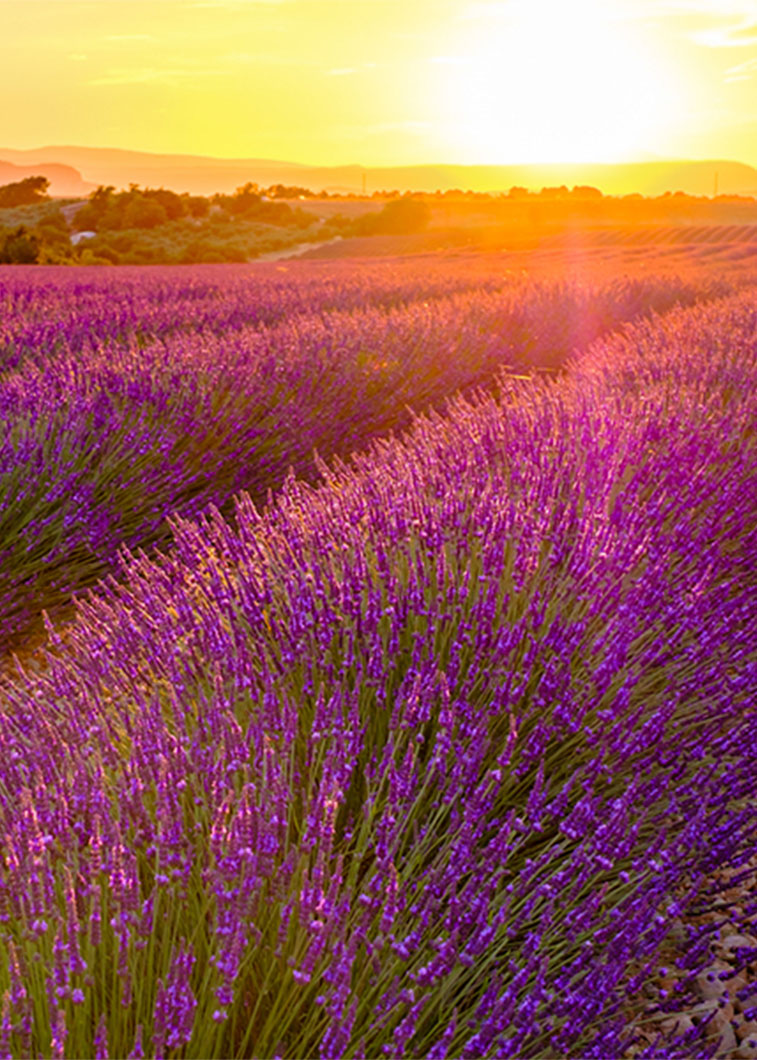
165 390
408 696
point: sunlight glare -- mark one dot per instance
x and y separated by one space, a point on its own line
550 81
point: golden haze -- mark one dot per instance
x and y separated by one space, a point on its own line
385 82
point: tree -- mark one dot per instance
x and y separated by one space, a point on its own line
143 212
196 205
245 199
26 192
288 191
89 217
586 191
172 203
555 193
401 216
19 247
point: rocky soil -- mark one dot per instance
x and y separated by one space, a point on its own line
715 1007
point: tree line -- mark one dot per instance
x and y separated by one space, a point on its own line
155 225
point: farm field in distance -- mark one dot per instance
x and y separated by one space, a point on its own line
378 651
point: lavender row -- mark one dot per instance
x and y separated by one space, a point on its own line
101 445
420 762
53 310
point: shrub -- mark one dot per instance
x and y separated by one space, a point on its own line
143 212
19 247
24 192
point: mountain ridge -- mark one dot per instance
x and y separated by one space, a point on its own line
65 180
205 175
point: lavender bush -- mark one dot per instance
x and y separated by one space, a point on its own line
160 393
53 310
419 761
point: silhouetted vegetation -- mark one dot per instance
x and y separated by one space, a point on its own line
19 247
398 217
24 192
35 234
110 211
157 225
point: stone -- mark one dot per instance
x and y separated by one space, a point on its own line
732 942
726 928
676 1024
707 984
739 1004
678 934
716 1014
721 1019
699 1013
727 1042
747 1030
736 982
746 1051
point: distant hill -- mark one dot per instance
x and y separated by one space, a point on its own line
65 181
202 175
198 174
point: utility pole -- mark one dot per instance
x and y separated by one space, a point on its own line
716 184
364 182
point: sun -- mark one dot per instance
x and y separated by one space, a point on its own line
553 81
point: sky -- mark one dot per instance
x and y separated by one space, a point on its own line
384 82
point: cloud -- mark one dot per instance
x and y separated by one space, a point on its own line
129 37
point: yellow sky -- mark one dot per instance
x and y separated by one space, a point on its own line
384 81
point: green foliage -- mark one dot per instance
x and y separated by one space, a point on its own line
174 205
48 211
155 225
196 206
250 203
42 225
142 212
289 191
24 192
19 247
108 210
244 201
215 239
150 208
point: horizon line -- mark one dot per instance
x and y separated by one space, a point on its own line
383 165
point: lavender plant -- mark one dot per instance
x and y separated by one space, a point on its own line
109 429
85 310
420 761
